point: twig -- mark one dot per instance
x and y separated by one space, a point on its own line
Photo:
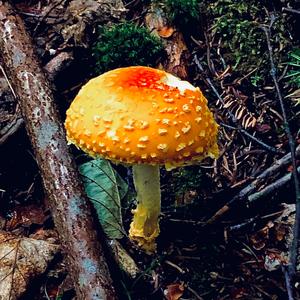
289 288
242 225
233 118
194 293
47 12
295 11
251 221
17 121
8 82
246 133
263 292
10 129
271 188
249 189
294 245
175 266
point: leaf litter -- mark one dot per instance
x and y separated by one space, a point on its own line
22 259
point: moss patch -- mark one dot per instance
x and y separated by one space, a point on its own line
125 44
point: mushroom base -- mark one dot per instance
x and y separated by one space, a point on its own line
145 225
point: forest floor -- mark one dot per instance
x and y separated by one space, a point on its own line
215 241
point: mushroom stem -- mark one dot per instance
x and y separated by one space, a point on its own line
144 227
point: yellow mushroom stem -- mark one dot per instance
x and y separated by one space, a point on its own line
145 225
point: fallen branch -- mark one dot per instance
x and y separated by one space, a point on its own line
273 71
268 190
253 186
67 201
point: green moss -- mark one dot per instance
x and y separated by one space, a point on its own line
185 179
293 77
125 44
182 12
237 24
294 68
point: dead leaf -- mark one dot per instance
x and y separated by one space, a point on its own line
21 260
260 238
174 291
165 31
273 261
238 293
48 235
26 216
263 128
188 197
284 224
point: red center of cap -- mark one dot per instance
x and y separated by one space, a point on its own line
143 78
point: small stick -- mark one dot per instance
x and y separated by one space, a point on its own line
194 293
249 189
10 129
246 133
295 11
294 246
175 266
48 11
271 188
8 82
289 288
240 226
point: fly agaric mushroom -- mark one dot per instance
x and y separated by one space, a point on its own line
143 117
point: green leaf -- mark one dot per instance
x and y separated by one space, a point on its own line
105 188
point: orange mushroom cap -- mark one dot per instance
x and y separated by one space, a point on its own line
141 115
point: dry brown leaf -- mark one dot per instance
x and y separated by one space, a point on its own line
25 216
260 238
174 291
48 235
21 260
238 293
165 31
284 224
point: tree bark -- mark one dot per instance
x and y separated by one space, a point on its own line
67 201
